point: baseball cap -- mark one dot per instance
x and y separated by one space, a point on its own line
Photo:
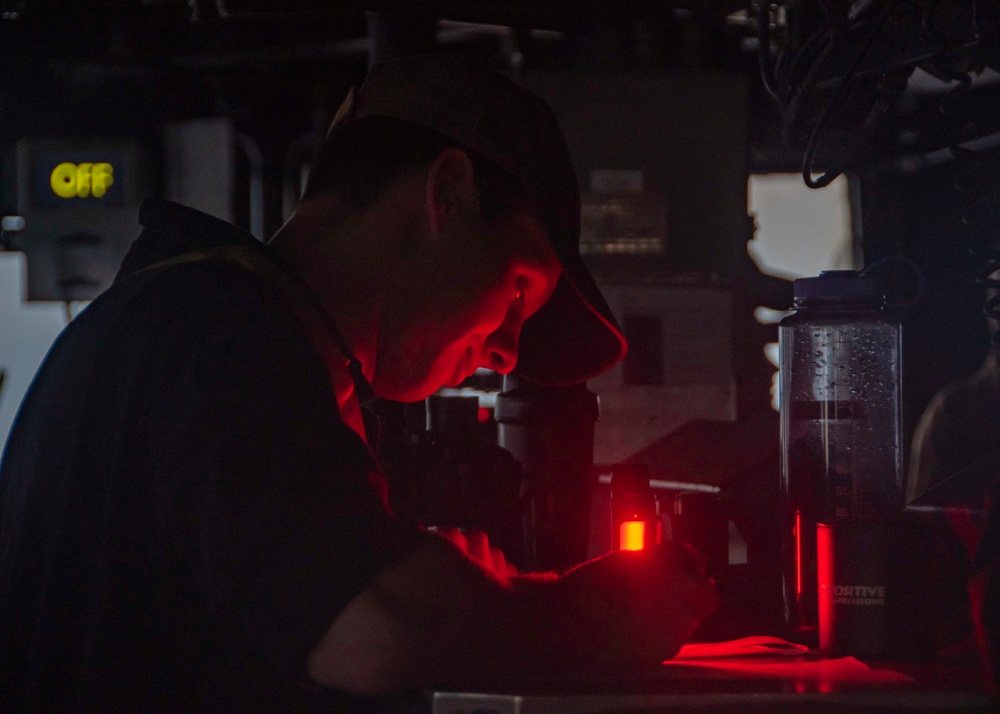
574 336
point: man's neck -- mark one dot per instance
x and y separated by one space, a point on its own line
338 258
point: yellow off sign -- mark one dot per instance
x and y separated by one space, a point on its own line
70 180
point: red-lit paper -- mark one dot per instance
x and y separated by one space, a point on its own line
774 658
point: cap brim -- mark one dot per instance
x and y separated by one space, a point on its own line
574 336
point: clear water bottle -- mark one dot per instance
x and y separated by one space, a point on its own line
840 423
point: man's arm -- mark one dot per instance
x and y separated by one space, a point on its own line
438 619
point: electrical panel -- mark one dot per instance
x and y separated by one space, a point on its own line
79 201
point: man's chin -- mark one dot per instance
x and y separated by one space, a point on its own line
415 393
416 389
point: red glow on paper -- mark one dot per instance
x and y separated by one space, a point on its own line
798 554
484 415
824 578
632 535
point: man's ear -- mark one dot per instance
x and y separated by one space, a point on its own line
450 190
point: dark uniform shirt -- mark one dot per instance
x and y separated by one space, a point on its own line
183 512
960 425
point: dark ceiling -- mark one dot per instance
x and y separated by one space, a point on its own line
841 75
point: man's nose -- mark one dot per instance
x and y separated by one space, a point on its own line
501 348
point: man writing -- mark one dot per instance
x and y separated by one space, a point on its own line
192 518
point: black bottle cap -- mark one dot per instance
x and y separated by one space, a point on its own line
836 286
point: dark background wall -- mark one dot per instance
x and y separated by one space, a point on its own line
684 77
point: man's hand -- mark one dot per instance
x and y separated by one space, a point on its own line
476 546
442 618
646 603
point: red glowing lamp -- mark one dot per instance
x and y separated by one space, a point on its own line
632 535
635 523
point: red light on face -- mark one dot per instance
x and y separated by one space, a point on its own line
632 535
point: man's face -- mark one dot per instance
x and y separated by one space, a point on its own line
463 308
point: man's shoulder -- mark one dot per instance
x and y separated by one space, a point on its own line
186 262
170 230
207 293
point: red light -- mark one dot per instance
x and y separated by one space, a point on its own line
798 555
484 415
632 535
824 578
